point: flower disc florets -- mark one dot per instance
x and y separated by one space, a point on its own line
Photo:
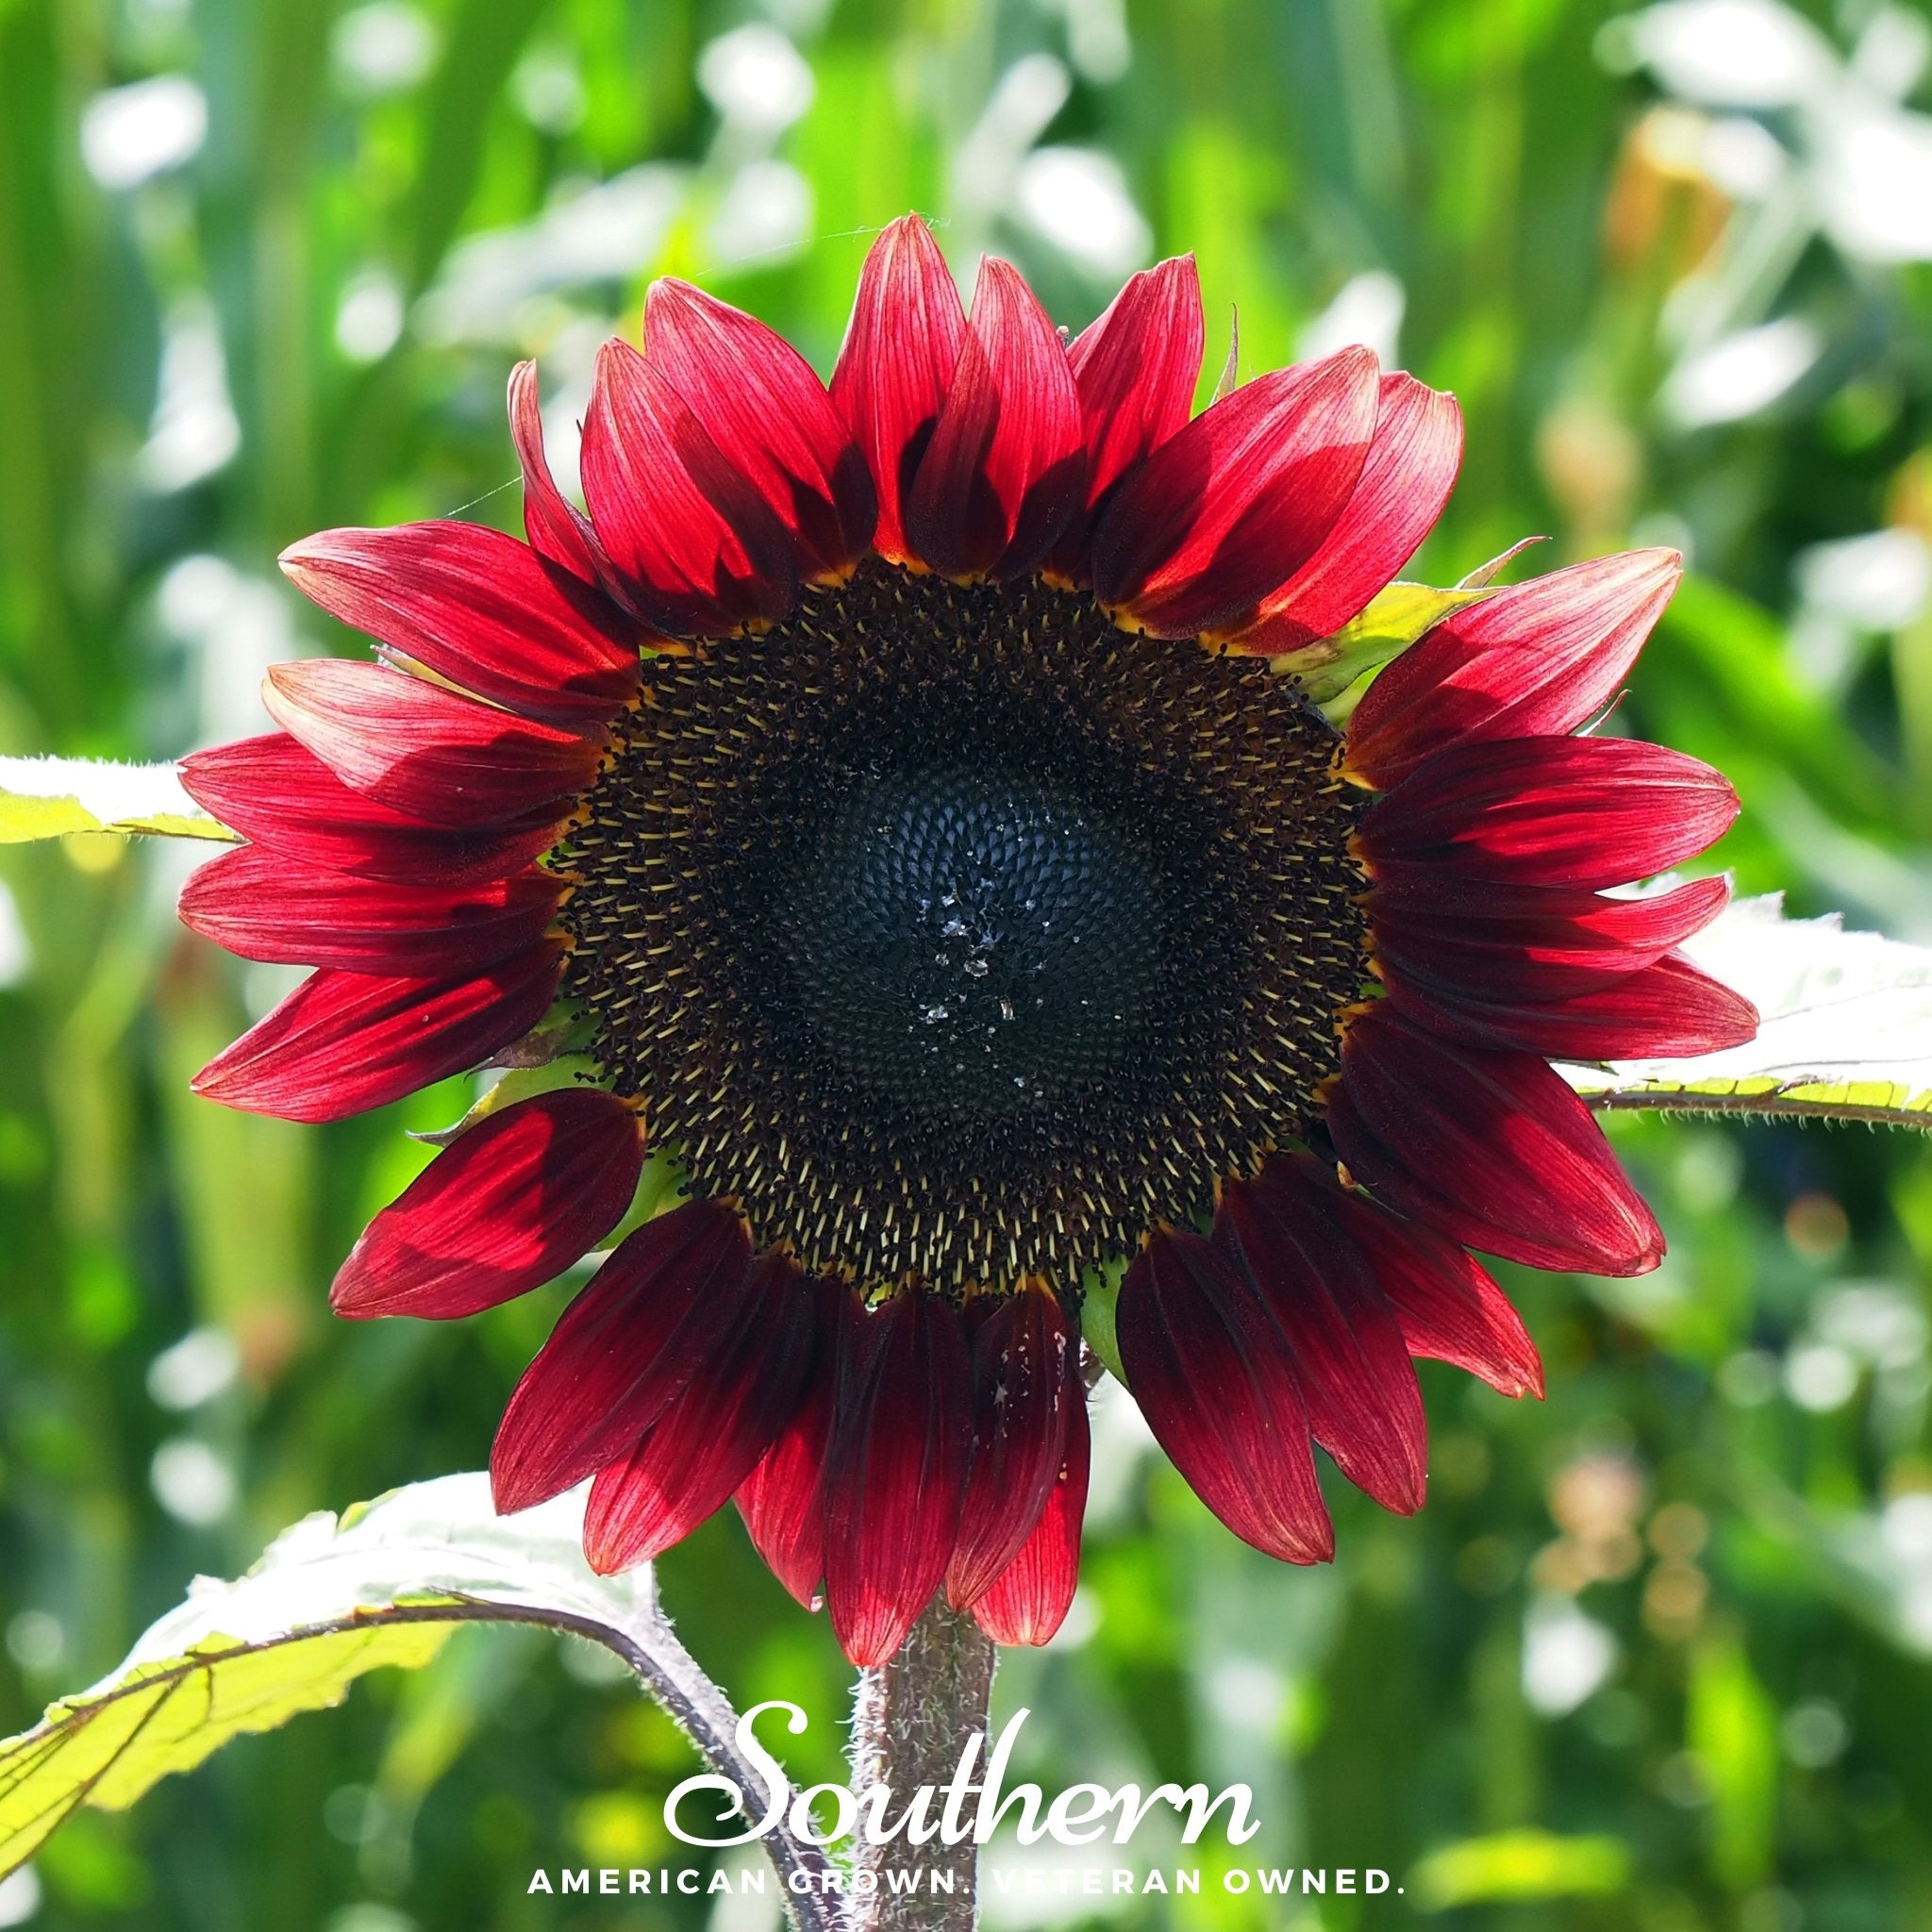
959 935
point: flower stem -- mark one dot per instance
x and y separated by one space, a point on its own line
914 1716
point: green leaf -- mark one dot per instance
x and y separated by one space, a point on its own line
1100 1294
44 798
331 1600
1394 621
1846 1032
1525 1864
485 41
520 1083
1731 1725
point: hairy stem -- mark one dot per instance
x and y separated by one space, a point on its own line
702 1711
914 1716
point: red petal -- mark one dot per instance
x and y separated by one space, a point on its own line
1004 470
1029 1601
1491 1148
662 1305
507 1206
1210 1370
694 539
1482 940
342 1043
897 365
1549 811
897 1472
1449 1308
1538 659
1665 1008
479 608
1230 506
782 1499
255 903
274 790
1135 370
706 1442
557 529
1020 1358
1406 479
770 416
1349 1359
423 750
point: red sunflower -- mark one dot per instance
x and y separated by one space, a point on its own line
854 780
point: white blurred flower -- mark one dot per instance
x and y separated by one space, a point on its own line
131 133
548 89
1246 1694
20 1896
1894 1552
1821 1376
16 954
1849 590
368 1917
196 1370
1566 1655
1725 53
383 48
1906 1529
1077 199
1367 309
1020 110
1865 161
1749 1378
602 233
1123 1446
1741 374
193 432
754 77
1098 40
1814 1733
766 211
36 1639
190 1482
1878 582
370 317
801 19
1893 51
1873 180
237 626
1743 156
1876 1320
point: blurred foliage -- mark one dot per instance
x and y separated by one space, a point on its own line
1655 1654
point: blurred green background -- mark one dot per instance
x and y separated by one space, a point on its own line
1655 1655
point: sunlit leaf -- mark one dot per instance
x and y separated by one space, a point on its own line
44 798
1847 1031
331 1600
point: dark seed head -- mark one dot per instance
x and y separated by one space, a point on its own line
959 935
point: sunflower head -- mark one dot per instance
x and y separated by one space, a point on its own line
891 784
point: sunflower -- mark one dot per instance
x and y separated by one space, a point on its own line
885 796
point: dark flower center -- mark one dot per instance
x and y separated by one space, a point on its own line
970 943
957 934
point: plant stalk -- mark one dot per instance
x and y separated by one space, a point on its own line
914 1716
